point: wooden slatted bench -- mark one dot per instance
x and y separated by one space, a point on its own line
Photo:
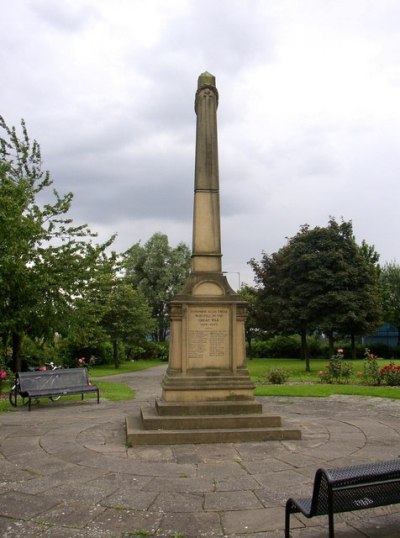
346 489
59 382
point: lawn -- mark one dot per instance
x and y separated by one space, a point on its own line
125 367
299 384
108 390
302 383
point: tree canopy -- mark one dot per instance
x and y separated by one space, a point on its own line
390 285
321 279
46 260
159 271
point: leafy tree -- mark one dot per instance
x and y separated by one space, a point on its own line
85 322
125 314
390 285
249 294
320 279
159 271
127 318
45 259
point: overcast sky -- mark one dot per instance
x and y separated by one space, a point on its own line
308 117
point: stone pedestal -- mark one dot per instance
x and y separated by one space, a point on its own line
207 345
207 394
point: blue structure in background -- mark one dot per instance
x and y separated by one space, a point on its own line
386 334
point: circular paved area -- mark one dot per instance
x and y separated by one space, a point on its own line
65 471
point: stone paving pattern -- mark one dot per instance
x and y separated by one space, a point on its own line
65 471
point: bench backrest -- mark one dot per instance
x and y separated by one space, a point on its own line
62 378
356 487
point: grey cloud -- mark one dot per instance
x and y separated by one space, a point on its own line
66 16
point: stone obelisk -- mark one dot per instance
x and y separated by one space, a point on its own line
207 395
207 347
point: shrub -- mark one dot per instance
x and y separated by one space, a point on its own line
391 374
276 347
381 350
277 376
371 371
284 346
317 347
395 352
260 349
338 370
149 350
103 353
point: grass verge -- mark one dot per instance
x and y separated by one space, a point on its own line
300 384
125 367
308 384
108 390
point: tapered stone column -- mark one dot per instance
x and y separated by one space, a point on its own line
207 346
207 394
206 214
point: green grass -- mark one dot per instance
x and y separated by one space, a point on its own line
309 384
108 390
114 391
322 390
125 367
300 383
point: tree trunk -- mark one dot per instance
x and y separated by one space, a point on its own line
116 354
331 341
249 340
304 354
353 346
16 352
5 347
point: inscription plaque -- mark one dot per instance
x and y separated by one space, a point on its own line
208 335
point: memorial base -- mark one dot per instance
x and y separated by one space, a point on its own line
205 385
207 393
205 422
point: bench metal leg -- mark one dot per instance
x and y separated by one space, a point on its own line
331 525
287 520
330 513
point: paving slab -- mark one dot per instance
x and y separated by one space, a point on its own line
66 472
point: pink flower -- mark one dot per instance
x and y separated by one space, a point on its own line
3 374
340 351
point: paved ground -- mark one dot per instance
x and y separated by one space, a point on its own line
65 471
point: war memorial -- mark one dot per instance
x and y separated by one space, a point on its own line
207 394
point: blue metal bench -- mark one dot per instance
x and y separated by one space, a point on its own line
59 382
346 489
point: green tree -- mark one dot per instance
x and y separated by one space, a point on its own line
390 286
45 259
85 329
127 318
320 279
249 294
159 271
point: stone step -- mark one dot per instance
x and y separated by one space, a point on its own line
152 421
234 407
136 435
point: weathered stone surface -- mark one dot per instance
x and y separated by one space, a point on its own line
207 393
264 474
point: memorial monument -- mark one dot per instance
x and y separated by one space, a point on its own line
207 394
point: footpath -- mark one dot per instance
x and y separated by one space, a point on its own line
65 471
